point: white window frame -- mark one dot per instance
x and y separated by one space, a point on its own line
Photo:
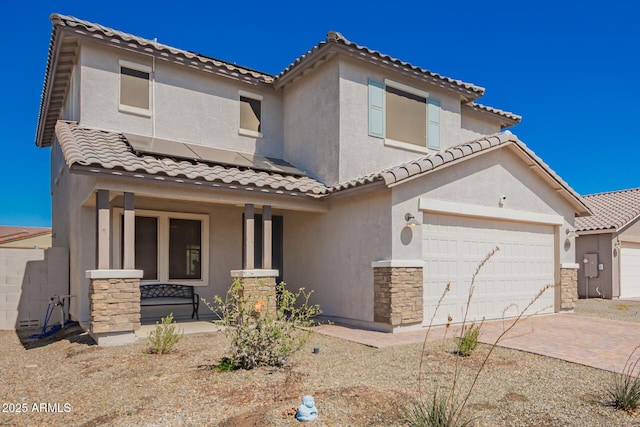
257 97
163 244
401 144
146 112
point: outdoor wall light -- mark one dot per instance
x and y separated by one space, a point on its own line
571 234
411 220
618 245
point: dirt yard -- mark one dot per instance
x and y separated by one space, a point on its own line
69 381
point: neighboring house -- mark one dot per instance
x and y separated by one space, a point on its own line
24 237
368 179
608 246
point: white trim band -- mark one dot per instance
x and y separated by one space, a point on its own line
254 273
114 274
410 263
570 265
477 211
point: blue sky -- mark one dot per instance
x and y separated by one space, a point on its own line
571 69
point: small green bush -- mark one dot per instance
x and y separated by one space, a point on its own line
164 337
260 335
225 364
625 389
468 342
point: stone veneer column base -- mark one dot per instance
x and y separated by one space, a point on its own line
114 306
398 292
258 285
568 288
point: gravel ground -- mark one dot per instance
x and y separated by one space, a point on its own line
353 385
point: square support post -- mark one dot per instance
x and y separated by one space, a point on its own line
267 238
129 232
103 229
249 237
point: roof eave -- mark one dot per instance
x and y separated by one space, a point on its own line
504 120
331 46
54 47
578 203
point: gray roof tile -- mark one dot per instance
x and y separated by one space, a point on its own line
457 153
511 117
110 150
611 211
335 38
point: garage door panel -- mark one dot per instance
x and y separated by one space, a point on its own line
454 246
630 270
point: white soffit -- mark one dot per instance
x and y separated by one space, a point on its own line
477 211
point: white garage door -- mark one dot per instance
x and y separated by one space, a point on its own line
630 270
453 247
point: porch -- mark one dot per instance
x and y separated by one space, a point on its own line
145 239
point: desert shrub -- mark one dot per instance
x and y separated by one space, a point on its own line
164 337
260 335
448 409
468 341
625 388
435 412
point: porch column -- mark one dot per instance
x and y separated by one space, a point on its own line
249 237
267 238
103 216
129 232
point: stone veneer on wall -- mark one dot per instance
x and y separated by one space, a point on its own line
258 285
398 295
568 288
114 305
260 289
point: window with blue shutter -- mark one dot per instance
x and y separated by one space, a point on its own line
376 108
433 125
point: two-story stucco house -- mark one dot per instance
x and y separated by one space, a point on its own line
372 181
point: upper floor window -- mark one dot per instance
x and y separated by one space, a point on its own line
405 117
135 94
250 114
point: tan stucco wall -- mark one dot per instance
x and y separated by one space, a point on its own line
480 181
311 123
361 154
606 282
474 126
332 252
41 242
631 232
190 105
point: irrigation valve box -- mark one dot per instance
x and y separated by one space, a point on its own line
590 262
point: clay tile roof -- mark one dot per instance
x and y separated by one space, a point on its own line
106 150
509 116
99 30
9 233
451 155
337 39
611 211
441 158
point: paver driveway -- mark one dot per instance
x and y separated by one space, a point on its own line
590 341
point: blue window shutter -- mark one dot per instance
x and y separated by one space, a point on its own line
376 108
433 117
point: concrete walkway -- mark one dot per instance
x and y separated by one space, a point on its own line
599 343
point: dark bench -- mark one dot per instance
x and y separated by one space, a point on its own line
169 294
